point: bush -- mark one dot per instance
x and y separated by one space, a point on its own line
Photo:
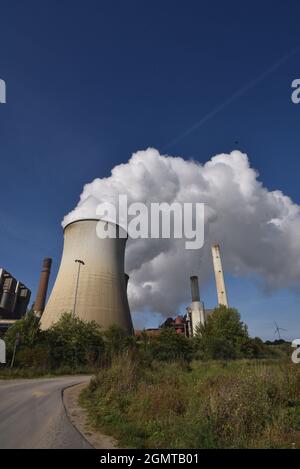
28 332
70 342
74 342
225 336
238 404
117 340
170 346
36 358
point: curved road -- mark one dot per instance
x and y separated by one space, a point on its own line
32 414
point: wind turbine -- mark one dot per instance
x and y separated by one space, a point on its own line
278 329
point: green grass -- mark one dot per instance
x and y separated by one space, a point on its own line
238 404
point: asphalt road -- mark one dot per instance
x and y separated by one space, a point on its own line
32 414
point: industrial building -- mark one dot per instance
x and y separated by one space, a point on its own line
14 299
196 313
92 285
91 282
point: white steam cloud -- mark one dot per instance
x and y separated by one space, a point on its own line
259 230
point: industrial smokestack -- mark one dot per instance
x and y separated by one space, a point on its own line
39 304
196 310
195 288
220 282
100 288
126 280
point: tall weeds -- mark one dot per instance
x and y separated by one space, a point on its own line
205 405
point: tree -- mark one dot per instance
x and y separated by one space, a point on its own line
69 342
74 342
117 340
171 346
223 336
27 330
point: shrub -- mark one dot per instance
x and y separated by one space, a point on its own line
170 346
225 336
28 332
74 342
36 358
238 404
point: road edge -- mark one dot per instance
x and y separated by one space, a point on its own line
79 418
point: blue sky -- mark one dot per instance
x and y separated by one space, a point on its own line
88 83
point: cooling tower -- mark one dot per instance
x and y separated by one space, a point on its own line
100 288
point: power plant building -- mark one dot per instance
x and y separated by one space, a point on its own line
14 298
91 282
197 314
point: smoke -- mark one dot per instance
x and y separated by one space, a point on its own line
258 229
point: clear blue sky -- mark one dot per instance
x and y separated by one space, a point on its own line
90 82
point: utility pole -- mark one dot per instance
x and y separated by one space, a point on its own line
15 349
80 263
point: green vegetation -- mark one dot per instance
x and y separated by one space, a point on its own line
74 346
173 392
69 346
225 336
221 389
214 404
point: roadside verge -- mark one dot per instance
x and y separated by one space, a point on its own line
78 417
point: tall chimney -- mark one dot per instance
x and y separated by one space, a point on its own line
126 280
40 300
196 310
220 282
195 288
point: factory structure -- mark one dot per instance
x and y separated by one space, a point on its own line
91 284
14 299
219 276
196 313
40 300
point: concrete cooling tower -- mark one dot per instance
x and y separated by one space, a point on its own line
95 288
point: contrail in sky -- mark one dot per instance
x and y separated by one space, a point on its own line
233 97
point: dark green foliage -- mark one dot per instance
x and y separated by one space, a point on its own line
74 342
37 357
171 346
28 331
116 340
70 342
225 336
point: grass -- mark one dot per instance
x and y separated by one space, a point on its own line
238 404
